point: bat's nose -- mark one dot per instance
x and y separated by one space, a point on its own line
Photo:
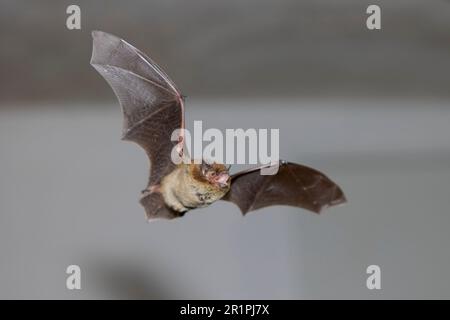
223 178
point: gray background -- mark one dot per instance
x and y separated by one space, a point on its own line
369 108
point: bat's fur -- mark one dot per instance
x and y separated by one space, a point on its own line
192 186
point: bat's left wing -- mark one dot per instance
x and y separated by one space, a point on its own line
293 185
152 108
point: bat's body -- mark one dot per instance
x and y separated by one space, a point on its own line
185 188
153 109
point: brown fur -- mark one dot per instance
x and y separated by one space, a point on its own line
187 187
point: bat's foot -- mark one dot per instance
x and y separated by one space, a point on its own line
151 189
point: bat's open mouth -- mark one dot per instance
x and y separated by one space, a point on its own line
223 179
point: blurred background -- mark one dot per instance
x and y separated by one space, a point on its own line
370 108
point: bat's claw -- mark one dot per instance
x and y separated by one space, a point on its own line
150 189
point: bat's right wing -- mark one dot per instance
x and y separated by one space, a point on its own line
293 185
152 107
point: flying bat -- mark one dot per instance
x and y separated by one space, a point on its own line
153 108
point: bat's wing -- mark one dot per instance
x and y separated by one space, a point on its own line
293 185
151 104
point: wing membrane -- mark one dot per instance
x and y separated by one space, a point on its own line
293 185
151 104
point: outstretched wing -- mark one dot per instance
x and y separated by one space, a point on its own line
293 185
152 108
151 104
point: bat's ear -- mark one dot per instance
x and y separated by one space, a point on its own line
205 166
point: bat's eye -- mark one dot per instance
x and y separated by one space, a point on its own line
213 174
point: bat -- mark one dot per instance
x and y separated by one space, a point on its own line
153 108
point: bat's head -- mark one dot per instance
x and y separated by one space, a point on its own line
215 173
